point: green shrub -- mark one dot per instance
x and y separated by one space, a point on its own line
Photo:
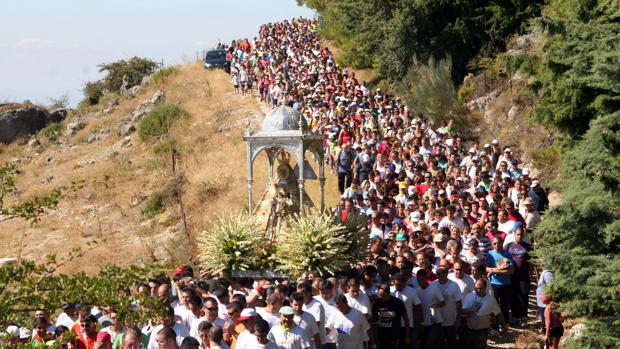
523 63
93 91
156 204
428 89
164 147
158 121
135 68
547 161
52 131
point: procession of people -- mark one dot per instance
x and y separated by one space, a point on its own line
450 224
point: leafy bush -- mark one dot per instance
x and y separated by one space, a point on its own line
164 147
52 131
231 244
547 160
158 121
212 188
27 284
523 63
135 68
388 34
156 204
313 242
93 91
428 89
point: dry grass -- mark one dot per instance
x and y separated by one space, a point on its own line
110 203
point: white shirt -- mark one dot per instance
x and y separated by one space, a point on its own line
409 297
448 223
451 294
466 284
189 320
510 238
295 338
349 331
307 322
269 345
361 303
507 227
485 306
328 305
532 219
65 320
179 329
246 340
428 296
315 308
272 319
193 331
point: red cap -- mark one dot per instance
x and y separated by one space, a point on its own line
104 337
178 271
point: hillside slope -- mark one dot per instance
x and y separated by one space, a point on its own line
121 176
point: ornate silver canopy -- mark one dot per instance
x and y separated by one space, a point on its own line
285 129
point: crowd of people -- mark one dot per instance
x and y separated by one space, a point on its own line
449 220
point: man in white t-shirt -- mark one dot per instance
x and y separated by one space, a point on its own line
270 313
314 307
168 322
347 326
210 309
410 298
431 301
465 281
451 219
261 331
479 308
69 315
287 335
327 298
357 300
306 320
191 317
247 338
503 223
451 312
328 301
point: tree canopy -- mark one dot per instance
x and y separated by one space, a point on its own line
579 85
388 35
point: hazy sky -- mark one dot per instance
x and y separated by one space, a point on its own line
51 47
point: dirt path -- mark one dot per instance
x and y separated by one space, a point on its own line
528 336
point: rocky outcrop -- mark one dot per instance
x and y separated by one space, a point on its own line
26 120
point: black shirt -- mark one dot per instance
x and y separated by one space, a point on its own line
387 315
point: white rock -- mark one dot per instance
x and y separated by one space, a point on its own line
127 128
7 260
146 80
126 142
73 127
33 142
512 113
134 90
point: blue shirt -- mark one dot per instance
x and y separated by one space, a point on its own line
495 259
